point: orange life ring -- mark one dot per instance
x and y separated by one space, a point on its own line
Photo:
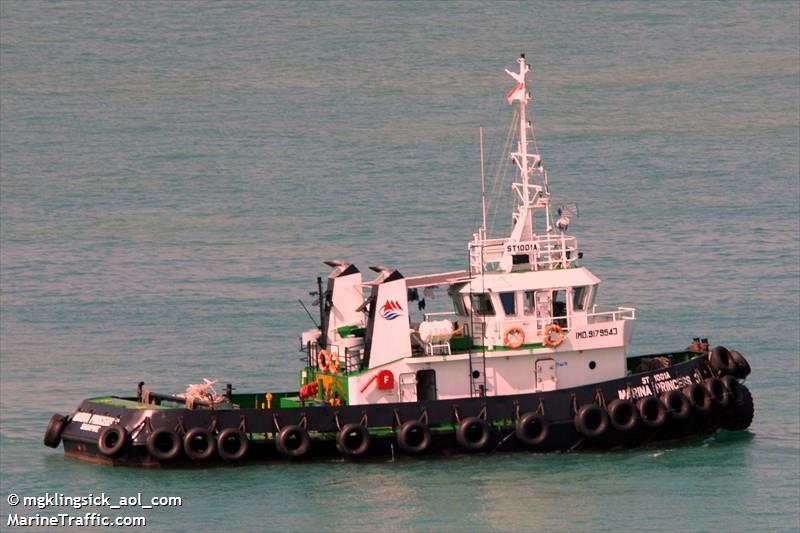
514 337
322 360
548 331
333 362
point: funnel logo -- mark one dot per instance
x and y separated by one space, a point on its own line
391 310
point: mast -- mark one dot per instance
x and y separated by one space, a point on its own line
524 248
483 186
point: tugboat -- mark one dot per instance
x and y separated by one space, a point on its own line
525 360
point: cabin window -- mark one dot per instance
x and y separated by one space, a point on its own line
482 304
579 298
508 299
560 307
458 305
528 303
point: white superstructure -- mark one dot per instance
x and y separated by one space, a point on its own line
524 316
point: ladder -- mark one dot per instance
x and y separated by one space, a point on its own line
477 373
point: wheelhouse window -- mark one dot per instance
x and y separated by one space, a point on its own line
508 299
579 295
458 304
560 307
528 303
482 304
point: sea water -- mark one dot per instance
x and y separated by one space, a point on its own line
173 174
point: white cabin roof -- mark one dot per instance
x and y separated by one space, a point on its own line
543 279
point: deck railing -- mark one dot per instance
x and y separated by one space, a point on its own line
547 252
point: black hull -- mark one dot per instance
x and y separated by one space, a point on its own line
557 410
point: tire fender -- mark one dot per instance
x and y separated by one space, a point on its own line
113 440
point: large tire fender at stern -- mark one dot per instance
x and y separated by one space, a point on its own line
52 435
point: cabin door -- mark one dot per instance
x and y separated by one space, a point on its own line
426 385
546 379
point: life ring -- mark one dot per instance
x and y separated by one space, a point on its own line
514 337
353 440
591 420
112 440
414 437
531 429
622 414
548 331
163 444
652 411
198 444
333 362
232 444
52 437
677 404
293 441
322 360
473 433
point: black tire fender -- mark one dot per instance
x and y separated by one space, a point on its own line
414 437
163 444
718 391
699 398
532 429
591 420
52 435
732 384
473 433
622 414
232 444
741 415
199 444
113 440
722 362
742 366
652 411
353 440
677 404
293 441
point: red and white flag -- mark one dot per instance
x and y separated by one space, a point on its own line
517 93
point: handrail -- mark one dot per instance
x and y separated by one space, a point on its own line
549 252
